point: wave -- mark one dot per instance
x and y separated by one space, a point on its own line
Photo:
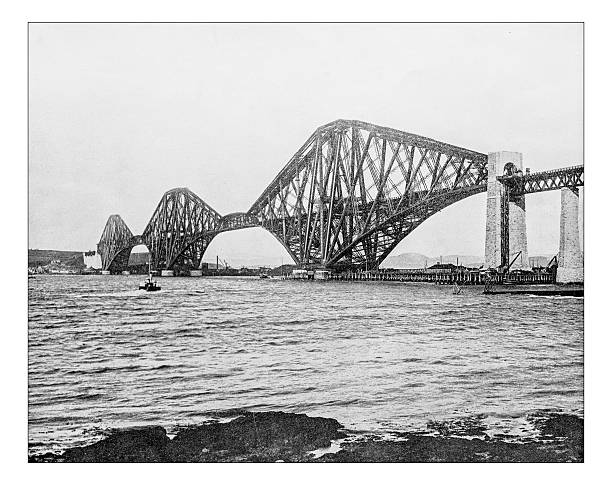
556 297
363 356
115 294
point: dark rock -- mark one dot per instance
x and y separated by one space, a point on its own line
567 427
46 458
561 441
421 449
563 426
278 436
145 444
269 436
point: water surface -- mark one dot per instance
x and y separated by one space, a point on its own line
376 356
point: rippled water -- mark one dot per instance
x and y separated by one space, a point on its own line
376 356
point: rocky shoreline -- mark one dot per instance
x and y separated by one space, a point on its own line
289 437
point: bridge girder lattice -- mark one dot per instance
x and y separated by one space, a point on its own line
354 190
180 230
347 197
115 244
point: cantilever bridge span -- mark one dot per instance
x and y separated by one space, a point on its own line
346 198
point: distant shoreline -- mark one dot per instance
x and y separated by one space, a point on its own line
400 261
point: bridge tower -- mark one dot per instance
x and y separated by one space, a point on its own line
570 269
500 163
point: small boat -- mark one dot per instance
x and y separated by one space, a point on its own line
264 276
149 284
456 289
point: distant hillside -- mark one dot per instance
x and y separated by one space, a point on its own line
407 260
242 262
418 260
42 257
137 259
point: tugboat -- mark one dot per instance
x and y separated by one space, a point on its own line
149 284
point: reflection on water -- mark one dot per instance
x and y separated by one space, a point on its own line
375 356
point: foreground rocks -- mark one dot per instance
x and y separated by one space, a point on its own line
278 436
565 446
254 437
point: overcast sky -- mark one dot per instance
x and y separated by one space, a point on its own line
120 113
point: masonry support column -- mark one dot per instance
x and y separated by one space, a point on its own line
514 229
570 269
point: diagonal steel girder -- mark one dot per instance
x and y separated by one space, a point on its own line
530 183
115 244
177 235
180 229
336 202
349 195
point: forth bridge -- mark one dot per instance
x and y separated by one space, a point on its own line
349 195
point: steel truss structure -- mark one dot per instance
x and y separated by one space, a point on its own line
180 230
354 190
348 196
238 220
115 244
519 184
516 185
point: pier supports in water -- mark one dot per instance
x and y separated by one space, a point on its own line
164 272
515 225
570 269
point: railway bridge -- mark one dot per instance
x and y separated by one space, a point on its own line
345 200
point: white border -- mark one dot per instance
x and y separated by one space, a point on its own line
14 228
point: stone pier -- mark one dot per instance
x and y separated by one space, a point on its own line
105 272
517 229
195 272
570 269
167 272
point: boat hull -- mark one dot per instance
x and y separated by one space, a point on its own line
149 287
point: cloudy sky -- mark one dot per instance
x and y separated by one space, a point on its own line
119 113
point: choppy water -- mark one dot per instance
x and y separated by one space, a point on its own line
376 356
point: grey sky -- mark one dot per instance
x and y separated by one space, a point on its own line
119 113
